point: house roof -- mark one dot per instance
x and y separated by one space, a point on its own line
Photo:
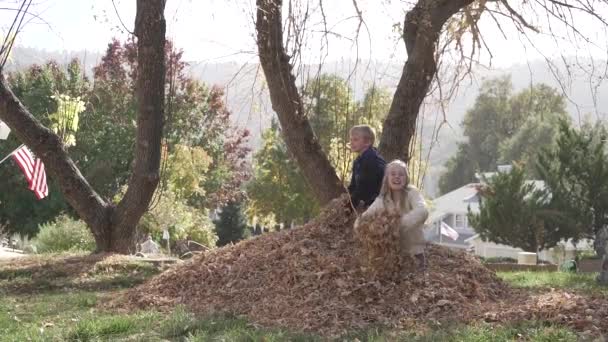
456 201
538 184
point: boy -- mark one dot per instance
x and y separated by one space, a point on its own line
368 168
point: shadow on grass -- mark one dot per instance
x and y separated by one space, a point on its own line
80 272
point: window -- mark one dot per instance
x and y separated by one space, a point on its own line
460 221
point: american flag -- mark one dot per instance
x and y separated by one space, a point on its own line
34 172
449 231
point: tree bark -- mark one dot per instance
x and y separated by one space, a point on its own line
113 227
287 103
150 94
601 249
422 28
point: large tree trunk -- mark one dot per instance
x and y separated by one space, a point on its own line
150 93
422 28
601 248
112 227
287 103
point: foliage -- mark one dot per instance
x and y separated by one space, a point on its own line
524 145
328 101
231 225
64 234
196 116
36 86
518 213
502 127
181 220
65 119
186 171
278 187
329 104
100 117
575 172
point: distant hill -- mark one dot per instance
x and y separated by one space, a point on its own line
23 57
248 99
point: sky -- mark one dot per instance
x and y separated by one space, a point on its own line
223 30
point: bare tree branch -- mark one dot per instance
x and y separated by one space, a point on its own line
13 31
287 103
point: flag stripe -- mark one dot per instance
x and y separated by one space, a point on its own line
35 174
39 185
449 231
25 162
34 171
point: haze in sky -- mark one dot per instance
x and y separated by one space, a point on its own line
223 30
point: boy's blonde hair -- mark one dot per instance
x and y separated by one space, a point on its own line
366 131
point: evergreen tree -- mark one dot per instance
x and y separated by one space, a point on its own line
231 225
518 213
576 172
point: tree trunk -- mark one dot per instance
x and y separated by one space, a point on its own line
287 103
422 28
601 248
112 227
150 94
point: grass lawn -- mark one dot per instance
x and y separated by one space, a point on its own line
559 280
56 299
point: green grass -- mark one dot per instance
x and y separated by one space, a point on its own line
63 309
529 331
73 316
559 280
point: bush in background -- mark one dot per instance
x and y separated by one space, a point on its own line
65 234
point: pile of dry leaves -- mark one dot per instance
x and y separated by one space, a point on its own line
379 245
310 278
585 313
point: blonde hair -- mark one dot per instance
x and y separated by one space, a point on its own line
366 131
385 190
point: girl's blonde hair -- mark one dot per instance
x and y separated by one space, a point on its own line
385 190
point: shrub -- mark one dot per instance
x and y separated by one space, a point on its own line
586 255
63 235
500 260
181 220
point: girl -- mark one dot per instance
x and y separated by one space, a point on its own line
397 195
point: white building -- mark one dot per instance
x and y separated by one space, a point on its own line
451 209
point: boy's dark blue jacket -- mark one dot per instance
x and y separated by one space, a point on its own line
366 180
